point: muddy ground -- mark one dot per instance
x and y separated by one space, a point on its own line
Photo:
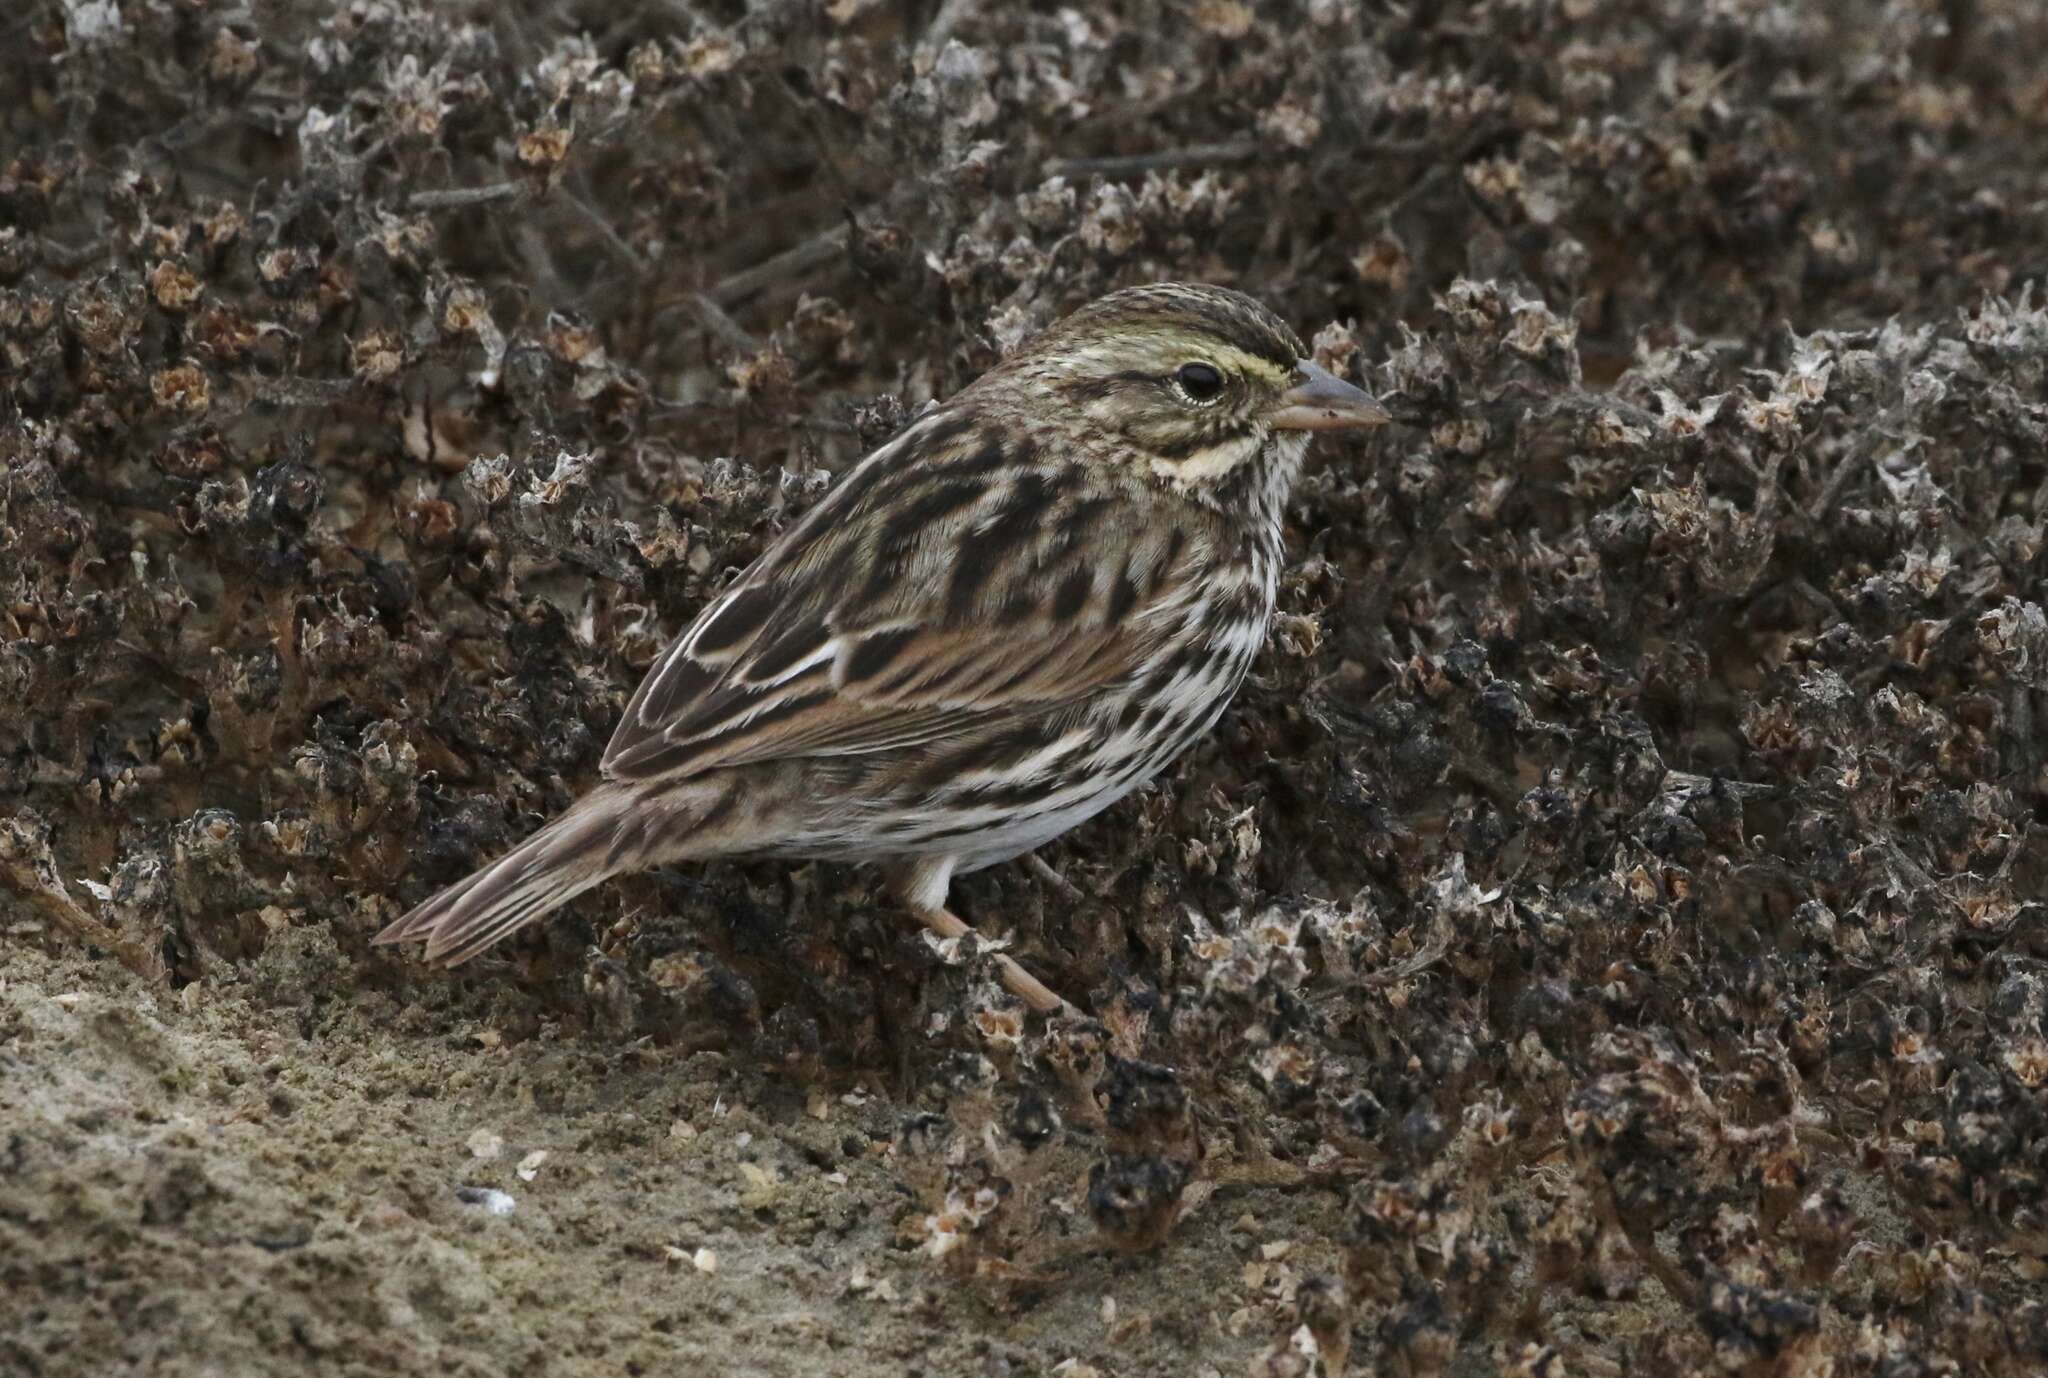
1606 935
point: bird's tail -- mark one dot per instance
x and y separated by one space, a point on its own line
604 834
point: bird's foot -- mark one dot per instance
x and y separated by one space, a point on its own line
1061 886
1016 979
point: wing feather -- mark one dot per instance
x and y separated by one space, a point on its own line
856 632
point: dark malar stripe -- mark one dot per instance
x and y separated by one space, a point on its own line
1195 444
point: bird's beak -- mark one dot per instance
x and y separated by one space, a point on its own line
1321 401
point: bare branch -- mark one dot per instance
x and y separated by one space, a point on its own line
27 866
819 248
450 198
629 257
723 326
1132 164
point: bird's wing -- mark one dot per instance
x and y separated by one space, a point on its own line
941 586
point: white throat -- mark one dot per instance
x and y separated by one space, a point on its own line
1211 464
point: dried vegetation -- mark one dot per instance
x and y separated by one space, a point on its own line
1620 896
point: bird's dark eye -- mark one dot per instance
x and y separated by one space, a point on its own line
1201 382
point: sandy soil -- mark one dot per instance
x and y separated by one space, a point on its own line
257 1177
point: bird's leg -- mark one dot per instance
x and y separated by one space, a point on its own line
1019 982
922 888
1064 888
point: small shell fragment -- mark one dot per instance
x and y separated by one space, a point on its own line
490 1199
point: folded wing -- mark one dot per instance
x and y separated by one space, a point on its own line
862 631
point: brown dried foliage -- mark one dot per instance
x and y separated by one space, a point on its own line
1627 870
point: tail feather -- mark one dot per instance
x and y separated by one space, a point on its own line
586 846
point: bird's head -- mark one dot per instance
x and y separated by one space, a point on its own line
1188 382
